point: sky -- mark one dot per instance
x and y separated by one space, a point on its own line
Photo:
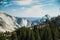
30 8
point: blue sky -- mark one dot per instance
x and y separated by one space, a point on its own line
30 8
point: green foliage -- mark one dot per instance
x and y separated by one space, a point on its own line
49 30
2 36
36 33
48 35
32 35
14 36
23 33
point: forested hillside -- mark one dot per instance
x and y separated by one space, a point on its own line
49 30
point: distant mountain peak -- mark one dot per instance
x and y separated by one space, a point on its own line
10 23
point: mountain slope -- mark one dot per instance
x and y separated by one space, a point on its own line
7 22
10 23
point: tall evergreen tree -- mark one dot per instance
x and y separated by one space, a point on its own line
32 35
36 33
28 32
54 31
48 35
14 36
2 36
55 34
23 33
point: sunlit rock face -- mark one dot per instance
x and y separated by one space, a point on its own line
7 22
24 22
10 23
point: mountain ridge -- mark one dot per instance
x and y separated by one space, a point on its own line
10 23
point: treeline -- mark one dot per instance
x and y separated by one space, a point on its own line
49 30
37 33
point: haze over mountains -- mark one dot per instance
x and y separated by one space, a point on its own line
10 23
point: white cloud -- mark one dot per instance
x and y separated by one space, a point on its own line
14 10
39 11
3 2
35 11
23 2
8 5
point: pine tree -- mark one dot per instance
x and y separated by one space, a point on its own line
28 32
55 34
23 33
48 35
14 36
36 33
2 36
18 33
32 35
54 31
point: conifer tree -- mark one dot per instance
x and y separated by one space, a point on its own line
36 33
23 33
14 36
2 36
32 35
55 34
48 35
28 32
54 30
